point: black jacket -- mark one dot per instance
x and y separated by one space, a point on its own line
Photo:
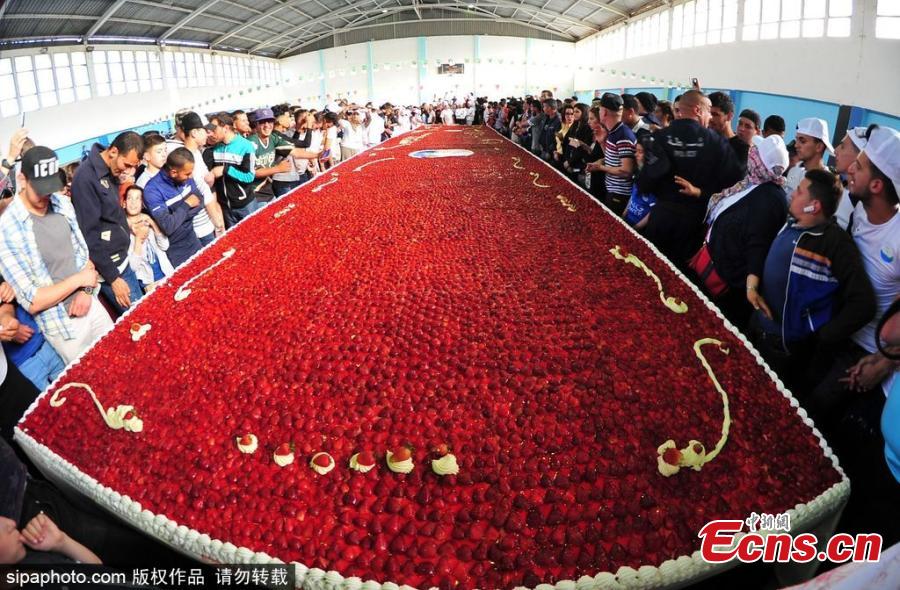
742 234
695 153
576 157
95 196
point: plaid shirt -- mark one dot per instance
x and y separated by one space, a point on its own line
23 267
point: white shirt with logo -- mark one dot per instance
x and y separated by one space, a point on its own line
879 248
375 129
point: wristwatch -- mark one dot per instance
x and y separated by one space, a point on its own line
88 290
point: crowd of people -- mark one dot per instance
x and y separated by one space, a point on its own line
800 256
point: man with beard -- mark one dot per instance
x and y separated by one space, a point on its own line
860 372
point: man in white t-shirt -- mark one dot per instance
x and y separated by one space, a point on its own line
845 153
812 141
375 129
354 134
459 112
447 115
874 180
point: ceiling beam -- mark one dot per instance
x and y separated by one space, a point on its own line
319 19
365 24
547 17
607 7
102 20
188 18
261 17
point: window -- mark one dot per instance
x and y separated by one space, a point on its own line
190 60
101 73
789 19
169 69
771 15
156 70
25 83
704 22
887 19
46 84
208 79
611 46
839 14
701 17
64 85
9 104
791 11
219 70
813 18
78 60
180 70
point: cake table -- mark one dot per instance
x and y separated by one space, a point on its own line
439 364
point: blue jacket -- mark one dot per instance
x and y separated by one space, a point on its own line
166 202
828 292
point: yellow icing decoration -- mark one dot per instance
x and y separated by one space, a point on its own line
517 163
535 180
113 417
670 302
566 203
694 455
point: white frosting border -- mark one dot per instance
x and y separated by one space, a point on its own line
685 568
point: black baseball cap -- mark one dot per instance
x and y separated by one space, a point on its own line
191 121
611 101
40 166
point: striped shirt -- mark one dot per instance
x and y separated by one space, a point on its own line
620 144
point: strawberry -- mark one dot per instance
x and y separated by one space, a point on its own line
366 458
401 454
129 415
441 450
247 440
135 327
322 460
672 456
284 449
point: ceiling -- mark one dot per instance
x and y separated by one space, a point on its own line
280 28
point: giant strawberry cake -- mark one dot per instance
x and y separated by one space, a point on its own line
434 369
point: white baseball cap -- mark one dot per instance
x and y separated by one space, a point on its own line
772 151
858 136
883 150
817 128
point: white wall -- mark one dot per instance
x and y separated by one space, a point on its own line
494 67
858 70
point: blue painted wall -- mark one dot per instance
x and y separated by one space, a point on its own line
76 151
792 109
870 117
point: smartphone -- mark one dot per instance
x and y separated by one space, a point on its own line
695 83
22 120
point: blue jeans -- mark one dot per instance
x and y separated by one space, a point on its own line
234 216
207 239
133 284
282 188
43 367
